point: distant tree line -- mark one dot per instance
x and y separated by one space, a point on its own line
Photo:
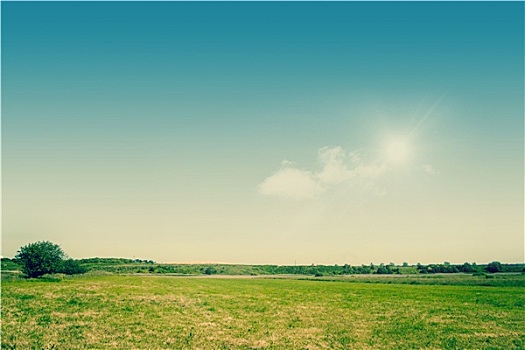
127 266
40 258
492 267
113 261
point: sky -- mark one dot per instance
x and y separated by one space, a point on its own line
265 132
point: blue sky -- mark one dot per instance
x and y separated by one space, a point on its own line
265 132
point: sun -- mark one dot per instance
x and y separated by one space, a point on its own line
397 151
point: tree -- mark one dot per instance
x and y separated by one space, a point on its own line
381 270
37 259
494 266
466 267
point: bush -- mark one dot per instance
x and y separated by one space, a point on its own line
210 270
40 258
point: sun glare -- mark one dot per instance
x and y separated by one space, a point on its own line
397 151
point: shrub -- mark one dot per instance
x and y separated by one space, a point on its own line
210 270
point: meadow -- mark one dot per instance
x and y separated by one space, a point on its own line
166 312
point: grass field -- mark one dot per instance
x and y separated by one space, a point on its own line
161 312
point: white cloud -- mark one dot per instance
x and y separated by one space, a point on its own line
354 157
334 170
291 182
369 171
429 169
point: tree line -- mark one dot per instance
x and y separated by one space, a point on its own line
41 258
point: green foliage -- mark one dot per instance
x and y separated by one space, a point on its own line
381 270
9 265
439 268
210 270
494 267
408 270
72 267
127 266
40 258
113 261
387 270
468 268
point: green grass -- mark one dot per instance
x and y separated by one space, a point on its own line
161 312
449 279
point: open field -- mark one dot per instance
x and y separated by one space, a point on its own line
161 312
448 279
